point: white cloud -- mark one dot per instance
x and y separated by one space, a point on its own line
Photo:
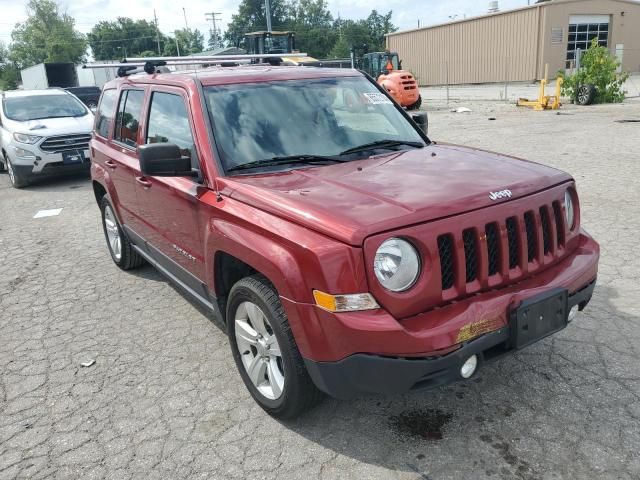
171 16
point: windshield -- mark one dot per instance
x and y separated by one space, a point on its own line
277 44
23 109
319 117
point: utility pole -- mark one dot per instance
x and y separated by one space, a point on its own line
215 32
184 12
155 18
176 39
267 14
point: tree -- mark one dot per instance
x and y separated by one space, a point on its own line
598 67
251 17
189 41
8 72
124 37
215 40
46 36
351 34
313 24
378 26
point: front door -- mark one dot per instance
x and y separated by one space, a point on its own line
123 164
169 205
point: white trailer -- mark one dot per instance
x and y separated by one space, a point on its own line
45 75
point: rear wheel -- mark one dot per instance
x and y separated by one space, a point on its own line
265 351
120 248
416 105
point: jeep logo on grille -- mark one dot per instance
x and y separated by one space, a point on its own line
500 194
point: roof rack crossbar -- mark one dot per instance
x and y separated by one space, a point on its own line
205 58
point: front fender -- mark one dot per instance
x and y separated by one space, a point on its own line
294 258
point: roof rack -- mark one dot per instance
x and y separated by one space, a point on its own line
151 65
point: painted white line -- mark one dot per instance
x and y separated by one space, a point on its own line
48 213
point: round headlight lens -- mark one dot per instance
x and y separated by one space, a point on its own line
568 209
396 265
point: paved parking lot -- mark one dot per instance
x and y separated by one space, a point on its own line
163 399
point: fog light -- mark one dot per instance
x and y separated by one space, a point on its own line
573 313
469 367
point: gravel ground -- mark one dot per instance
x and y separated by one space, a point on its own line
163 399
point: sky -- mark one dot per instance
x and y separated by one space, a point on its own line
406 13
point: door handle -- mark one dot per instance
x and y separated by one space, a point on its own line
145 183
110 164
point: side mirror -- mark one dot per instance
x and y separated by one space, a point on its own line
164 160
421 119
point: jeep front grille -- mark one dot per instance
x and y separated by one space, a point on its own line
63 143
523 241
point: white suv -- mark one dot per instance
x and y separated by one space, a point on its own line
43 132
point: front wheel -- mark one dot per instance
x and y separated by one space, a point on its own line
416 105
265 351
17 180
120 248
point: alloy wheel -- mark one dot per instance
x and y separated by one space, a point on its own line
259 350
10 171
113 233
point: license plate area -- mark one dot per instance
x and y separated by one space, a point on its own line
73 156
539 317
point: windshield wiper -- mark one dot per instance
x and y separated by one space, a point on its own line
275 161
388 143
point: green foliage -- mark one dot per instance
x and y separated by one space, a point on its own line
124 37
189 41
9 74
251 17
46 36
599 68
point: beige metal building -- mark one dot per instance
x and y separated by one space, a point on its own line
515 45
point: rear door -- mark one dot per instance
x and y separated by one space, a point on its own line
123 164
170 205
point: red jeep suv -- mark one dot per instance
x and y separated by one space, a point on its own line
345 251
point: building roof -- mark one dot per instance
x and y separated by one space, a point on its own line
501 12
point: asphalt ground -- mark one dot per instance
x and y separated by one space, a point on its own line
164 400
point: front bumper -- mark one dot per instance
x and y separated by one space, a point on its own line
41 164
348 353
366 374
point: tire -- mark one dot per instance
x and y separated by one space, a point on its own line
91 104
17 180
2 161
586 94
122 252
254 311
416 105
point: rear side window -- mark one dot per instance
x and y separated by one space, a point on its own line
104 117
169 123
128 118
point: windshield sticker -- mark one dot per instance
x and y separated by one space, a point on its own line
377 98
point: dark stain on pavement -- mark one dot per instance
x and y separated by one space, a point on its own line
426 423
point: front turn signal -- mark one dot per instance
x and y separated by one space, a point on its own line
345 303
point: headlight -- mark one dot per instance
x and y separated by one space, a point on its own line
568 209
24 138
397 264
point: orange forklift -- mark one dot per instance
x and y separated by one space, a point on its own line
386 69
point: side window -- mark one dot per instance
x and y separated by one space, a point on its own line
104 117
169 123
128 119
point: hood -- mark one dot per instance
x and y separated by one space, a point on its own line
351 201
47 127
